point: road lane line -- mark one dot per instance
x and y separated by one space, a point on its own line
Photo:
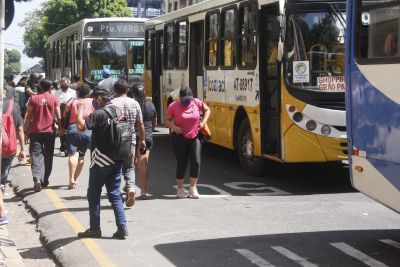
97 252
254 258
352 252
390 242
294 257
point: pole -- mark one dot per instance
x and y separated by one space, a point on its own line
2 26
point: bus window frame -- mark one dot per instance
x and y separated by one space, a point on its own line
177 44
165 54
206 50
234 37
357 36
148 47
239 36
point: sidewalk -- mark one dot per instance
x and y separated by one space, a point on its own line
9 255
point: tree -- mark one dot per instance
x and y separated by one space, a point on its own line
55 15
12 62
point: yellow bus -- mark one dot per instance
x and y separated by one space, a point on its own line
90 45
272 73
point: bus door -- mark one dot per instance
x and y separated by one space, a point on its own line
196 59
270 93
156 72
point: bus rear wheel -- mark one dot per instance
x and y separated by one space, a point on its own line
251 164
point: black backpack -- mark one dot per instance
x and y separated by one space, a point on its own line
120 142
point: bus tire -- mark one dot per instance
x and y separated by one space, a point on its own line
250 164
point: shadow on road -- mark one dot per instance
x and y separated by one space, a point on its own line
320 248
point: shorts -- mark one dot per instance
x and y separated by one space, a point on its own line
149 142
77 141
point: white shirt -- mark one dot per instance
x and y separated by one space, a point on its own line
63 97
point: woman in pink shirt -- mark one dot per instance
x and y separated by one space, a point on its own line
184 119
77 142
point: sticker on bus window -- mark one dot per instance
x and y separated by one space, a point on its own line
331 83
301 72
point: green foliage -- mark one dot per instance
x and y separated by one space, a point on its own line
12 64
55 15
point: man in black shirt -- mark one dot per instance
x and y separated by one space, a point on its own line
103 169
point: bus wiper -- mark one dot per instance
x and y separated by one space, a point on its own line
114 53
336 12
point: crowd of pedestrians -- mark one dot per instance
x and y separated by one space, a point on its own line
84 118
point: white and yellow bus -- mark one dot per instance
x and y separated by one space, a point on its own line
90 45
272 73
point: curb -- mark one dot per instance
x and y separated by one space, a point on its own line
9 255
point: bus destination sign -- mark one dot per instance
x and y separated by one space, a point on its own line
114 29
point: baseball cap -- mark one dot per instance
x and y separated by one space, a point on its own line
185 93
106 72
101 91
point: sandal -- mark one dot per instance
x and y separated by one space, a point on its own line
143 197
72 186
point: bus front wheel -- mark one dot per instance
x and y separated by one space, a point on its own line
251 164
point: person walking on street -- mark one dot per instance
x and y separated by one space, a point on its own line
149 122
64 94
39 121
133 114
10 107
103 169
77 142
108 81
184 119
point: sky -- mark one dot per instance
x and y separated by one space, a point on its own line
13 36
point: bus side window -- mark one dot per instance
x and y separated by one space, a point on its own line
248 35
228 38
211 48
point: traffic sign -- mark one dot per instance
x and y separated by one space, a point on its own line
9 14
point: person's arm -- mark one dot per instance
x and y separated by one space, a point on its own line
169 122
58 117
30 92
21 139
140 127
206 115
28 118
154 122
80 122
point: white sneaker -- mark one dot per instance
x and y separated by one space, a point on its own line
181 193
193 193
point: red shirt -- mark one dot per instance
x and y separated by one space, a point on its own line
44 106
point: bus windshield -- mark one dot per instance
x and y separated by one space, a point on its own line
314 51
135 61
99 54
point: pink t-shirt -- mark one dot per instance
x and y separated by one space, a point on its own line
188 118
87 110
44 105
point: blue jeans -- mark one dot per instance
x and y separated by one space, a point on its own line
110 176
5 169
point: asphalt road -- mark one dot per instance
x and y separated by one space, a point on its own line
295 215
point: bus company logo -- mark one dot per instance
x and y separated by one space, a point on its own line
90 28
301 68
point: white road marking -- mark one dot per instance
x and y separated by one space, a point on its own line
390 242
254 258
294 257
352 252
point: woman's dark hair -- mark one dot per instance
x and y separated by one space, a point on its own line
83 90
139 96
55 85
44 85
76 77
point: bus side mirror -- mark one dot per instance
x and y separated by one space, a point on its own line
78 51
279 55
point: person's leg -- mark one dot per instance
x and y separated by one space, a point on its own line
5 169
195 160
128 170
143 161
113 183
79 167
72 166
97 178
49 142
37 159
181 153
3 217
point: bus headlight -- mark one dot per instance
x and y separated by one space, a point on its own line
311 125
326 130
297 117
